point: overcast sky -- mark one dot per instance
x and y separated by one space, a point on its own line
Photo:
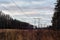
19 9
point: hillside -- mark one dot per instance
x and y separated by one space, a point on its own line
7 22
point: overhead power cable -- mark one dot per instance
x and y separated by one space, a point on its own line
20 8
4 8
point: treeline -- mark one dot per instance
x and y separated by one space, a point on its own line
7 22
56 17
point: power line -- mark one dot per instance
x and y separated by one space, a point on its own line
23 12
4 8
38 21
19 8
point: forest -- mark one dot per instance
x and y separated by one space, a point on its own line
7 22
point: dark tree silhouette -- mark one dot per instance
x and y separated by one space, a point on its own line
7 22
56 16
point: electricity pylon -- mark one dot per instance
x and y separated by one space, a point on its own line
38 22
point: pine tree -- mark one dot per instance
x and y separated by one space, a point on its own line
56 16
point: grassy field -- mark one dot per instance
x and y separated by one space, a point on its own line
38 34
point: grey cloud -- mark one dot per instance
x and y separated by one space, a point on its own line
4 2
30 0
27 8
47 16
44 18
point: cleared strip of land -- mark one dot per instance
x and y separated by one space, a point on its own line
31 34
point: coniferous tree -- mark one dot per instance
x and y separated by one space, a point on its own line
56 16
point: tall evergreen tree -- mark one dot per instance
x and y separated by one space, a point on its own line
56 16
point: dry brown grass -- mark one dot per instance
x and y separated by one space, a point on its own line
16 34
